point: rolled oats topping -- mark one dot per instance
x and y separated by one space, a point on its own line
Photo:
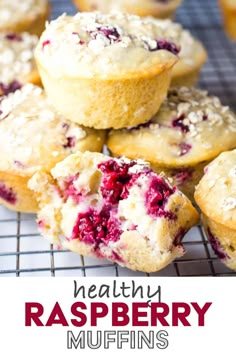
91 44
16 57
190 127
12 12
194 111
32 133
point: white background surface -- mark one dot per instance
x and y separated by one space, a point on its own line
217 336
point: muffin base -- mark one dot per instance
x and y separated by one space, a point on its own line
229 18
223 241
103 104
16 185
137 256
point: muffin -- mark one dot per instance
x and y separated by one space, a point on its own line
106 71
190 129
192 55
17 65
228 8
216 197
155 8
34 137
24 15
115 209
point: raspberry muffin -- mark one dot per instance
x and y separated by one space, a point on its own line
33 137
106 70
192 55
17 65
228 8
190 129
216 197
155 8
116 209
24 15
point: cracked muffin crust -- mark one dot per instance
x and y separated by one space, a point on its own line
106 70
24 16
17 64
155 8
216 197
33 137
190 129
115 209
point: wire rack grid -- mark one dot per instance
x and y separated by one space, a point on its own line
23 252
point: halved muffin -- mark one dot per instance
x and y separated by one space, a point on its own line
115 209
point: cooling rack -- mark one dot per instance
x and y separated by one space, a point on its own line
23 252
